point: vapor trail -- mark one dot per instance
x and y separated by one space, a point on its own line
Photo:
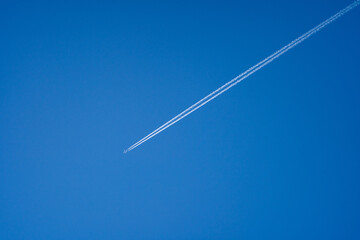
244 75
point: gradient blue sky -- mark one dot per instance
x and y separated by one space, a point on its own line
276 157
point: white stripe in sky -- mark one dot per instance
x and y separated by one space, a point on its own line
243 76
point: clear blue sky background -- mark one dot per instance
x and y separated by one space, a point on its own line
276 157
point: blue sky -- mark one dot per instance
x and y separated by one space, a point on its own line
277 156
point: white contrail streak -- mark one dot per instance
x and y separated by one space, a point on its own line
244 75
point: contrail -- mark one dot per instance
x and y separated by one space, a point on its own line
244 75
